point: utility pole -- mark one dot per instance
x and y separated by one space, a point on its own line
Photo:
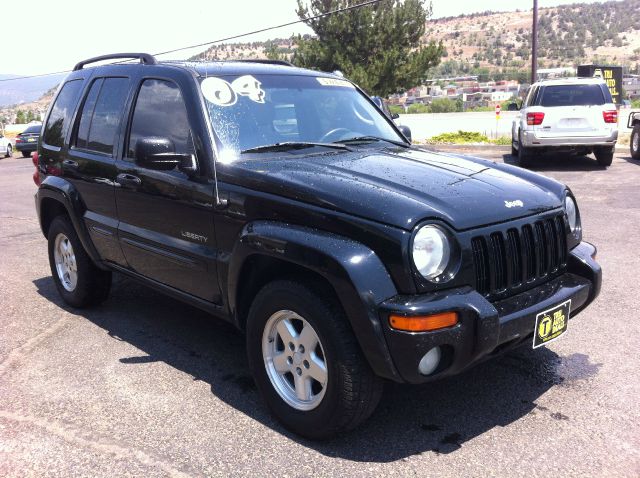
534 43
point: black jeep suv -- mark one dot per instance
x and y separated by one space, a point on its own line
284 201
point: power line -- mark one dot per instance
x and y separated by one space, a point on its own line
234 37
306 19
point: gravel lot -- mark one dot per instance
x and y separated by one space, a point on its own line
146 386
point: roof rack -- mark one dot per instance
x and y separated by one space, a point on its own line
144 58
265 61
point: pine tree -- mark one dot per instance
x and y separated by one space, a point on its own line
378 46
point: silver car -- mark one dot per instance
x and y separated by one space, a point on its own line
6 148
570 114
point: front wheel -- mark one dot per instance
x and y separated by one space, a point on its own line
635 142
79 282
9 151
604 156
307 363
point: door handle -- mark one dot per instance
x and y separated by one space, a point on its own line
128 180
70 164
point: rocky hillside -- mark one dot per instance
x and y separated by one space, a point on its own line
500 41
568 35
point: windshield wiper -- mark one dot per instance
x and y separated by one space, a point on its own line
287 145
371 139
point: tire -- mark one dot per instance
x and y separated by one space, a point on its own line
514 151
79 282
604 156
26 154
350 392
9 151
524 154
634 145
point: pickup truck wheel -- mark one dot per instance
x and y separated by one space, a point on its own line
635 142
307 363
604 156
79 282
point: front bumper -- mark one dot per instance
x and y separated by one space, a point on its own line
485 328
533 139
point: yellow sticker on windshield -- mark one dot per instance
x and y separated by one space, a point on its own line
335 82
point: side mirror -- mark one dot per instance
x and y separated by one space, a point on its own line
513 107
405 131
160 154
395 116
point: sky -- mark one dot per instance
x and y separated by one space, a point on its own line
59 33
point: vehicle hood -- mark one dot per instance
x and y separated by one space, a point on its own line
402 187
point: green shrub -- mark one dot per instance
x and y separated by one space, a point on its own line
417 108
462 137
443 105
396 109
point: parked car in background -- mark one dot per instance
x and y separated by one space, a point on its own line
27 141
6 147
634 144
572 114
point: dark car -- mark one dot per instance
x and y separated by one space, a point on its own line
27 141
283 201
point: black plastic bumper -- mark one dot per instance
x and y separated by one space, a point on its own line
485 328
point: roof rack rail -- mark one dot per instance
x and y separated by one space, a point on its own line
265 61
144 58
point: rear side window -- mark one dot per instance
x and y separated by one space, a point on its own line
61 112
572 95
101 115
160 111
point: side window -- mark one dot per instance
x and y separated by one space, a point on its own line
531 96
160 111
101 115
61 112
82 138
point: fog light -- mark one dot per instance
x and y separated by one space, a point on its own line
430 361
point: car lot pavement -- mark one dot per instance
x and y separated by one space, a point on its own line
146 386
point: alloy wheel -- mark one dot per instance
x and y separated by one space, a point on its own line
295 360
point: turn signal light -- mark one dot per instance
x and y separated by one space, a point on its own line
535 119
610 116
424 323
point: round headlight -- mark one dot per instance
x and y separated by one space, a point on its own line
572 213
431 251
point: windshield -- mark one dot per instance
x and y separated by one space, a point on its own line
572 95
248 112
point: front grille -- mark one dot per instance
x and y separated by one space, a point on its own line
512 258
